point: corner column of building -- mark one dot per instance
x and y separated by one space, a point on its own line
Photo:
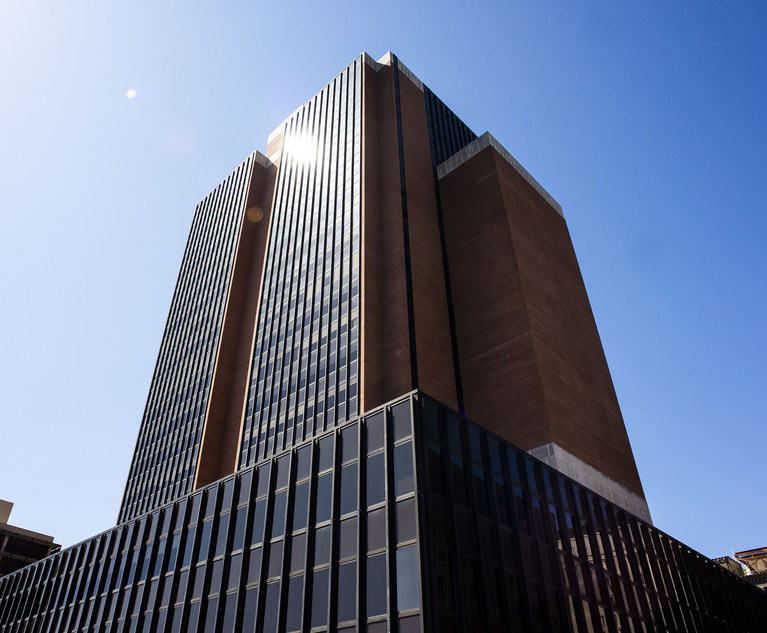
223 423
532 364
403 276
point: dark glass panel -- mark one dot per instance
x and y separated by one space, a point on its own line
295 598
217 571
453 433
250 610
275 559
406 524
349 443
270 607
347 540
349 488
235 566
254 565
238 538
226 501
403 468
410 624
375 431
172 558
322 546
259 517
347 592
436 477
160 554
297 552
430 414
303 457
401 420
210 502
458 480
199 579
230 612
211 615
376 585
324 490
195 511
300 506
263 481
189 546
278 520
194 616
207 527
376 529
320 598
244 490
183 578
326 453
283 472
223 528
376 481
408 587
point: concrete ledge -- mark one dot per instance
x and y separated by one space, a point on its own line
568 464
488 140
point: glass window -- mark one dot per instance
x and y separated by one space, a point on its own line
278 522
320 598
205 540
303 458
254 565
297 552
324 489
326 453
347 591
400 414
283 472
235 566
408 590
239 528
406 523
275 559
270 608
376 585
211 616
301 504
349 443
403 468
230 612
376 491
249 611
259 516
376 529
349 488
375 431
223 526
295 598
322 546
263 481
347 545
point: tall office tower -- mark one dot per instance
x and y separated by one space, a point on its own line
380 404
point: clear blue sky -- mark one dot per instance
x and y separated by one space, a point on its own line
646 121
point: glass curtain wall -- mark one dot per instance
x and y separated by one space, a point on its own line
305 369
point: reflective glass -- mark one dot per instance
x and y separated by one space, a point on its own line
403 468
376 491
347 591
376 585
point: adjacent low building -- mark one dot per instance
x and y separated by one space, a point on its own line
20 547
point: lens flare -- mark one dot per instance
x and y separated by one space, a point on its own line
130 93
302 149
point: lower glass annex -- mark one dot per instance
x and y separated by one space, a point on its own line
409 518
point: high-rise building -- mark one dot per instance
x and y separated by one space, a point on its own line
380 404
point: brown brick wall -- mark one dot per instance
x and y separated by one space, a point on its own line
532 364
223 423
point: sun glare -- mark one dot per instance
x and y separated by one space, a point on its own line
302 149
